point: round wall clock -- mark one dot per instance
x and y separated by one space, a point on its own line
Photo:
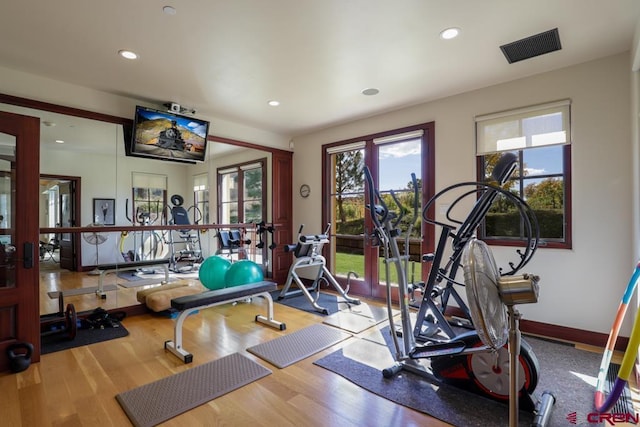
305 190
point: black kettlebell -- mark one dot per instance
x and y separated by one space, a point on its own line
19 356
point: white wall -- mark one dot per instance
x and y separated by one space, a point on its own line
581 287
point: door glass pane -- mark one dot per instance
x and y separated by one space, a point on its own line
201 198
49 249
7 211
252 211
348 213
228 213
252 194
396 162
229 187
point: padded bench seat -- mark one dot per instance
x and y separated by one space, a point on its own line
189 303
159 298
221 295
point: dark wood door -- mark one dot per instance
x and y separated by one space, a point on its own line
67 219
19 296
282 215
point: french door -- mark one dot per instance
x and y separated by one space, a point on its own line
19 184
354 257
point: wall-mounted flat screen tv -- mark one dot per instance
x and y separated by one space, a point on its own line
168 136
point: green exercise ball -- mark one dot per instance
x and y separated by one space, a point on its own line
243 272
212 272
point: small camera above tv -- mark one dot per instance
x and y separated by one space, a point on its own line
165 135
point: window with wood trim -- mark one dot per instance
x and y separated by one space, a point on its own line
242 193
541 138
149 198
201 196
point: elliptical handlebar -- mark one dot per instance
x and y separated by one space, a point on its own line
416 193
380 212
401 210
468 227
375 209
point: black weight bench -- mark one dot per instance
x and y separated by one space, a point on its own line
190 303
132 265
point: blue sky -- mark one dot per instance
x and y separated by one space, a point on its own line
397 161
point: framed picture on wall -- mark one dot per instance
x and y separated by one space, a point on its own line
104 211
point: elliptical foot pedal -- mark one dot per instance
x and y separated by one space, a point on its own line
437 349
429 330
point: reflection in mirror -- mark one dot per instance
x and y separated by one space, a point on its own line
243 195
7 158
91 164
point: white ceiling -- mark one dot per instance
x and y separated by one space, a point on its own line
228 58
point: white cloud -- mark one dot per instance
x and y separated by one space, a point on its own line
196 128
403 149
532 171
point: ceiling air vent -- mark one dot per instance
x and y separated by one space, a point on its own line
531 46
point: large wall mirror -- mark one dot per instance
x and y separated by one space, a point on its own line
86 179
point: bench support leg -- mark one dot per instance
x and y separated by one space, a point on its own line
175 346
269 319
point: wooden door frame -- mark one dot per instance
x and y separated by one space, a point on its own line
19 305
281 203
77 254
359 286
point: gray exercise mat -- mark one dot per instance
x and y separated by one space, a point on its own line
156 402
291 348
82 291
143 282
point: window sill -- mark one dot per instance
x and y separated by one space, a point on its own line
541 244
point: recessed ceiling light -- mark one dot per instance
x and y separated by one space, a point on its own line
274 103
128 54
48 123
59 141
450 33
169 10
370 91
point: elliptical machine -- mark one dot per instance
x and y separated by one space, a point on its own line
308 254
456 355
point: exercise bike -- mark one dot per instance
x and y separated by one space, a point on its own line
441 281
308 254
455 355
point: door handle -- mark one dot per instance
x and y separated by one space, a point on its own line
27 261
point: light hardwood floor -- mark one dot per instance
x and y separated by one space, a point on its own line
77 387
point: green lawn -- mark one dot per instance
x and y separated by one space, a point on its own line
353 262
349 262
